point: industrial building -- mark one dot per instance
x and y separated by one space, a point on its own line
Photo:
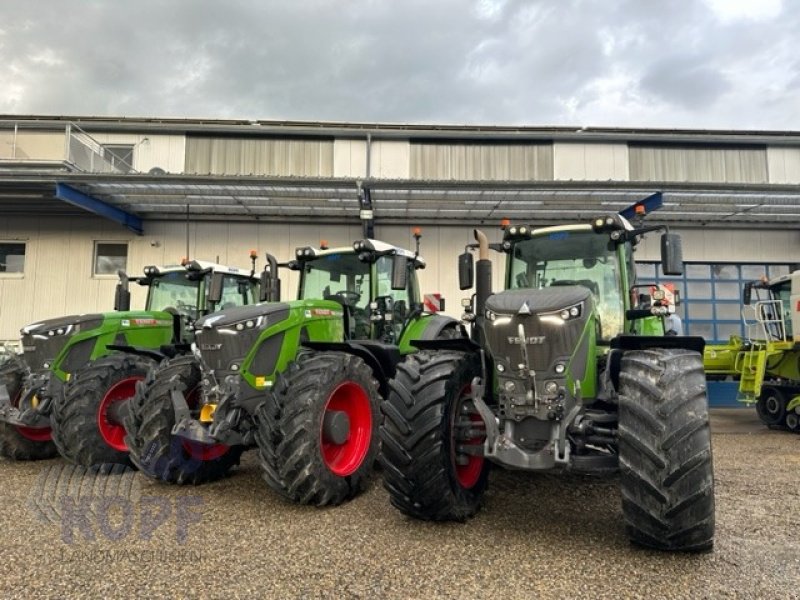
81 197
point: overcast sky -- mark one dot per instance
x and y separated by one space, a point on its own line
641 63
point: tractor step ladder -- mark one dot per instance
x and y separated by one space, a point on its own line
766 332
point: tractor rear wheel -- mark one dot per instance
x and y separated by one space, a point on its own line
87 418
151 416
429 424
318 429
16 442
771 407
667 476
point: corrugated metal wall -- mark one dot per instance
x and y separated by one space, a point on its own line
470 162
715 164
784 164
590 162
259 156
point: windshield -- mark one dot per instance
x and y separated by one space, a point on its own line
572 258
173 290
344 279
237 291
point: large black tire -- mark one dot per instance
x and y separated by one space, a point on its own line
14 444
153 448
667 476
296 459
83 431
771 407
418 438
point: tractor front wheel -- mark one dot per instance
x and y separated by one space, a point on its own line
666 471
87 418
318 429
432 438
153 448
17 442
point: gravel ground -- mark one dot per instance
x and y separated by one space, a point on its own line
538 536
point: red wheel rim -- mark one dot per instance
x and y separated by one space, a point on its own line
345 458
113 433
468 473
196 450
34 434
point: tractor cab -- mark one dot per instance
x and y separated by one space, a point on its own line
770 308
374 282
191 290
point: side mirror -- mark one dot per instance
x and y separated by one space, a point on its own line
122 298
399 272
270 285
466 271
215 289
747 293
671 254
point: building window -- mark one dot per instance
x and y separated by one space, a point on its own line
12 257
711 294
110 257
120 156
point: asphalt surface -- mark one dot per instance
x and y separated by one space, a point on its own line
538 536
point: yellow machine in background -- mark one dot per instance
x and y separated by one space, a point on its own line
767 361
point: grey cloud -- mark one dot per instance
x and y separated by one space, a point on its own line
685 81
450 61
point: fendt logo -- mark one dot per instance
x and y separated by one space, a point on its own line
210 346
534 339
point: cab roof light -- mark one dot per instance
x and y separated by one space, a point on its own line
304 252
504 223
323 244
253 253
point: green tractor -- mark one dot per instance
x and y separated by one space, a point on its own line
767 363
565 370
299 380
66 393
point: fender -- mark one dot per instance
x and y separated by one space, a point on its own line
381 358
438 323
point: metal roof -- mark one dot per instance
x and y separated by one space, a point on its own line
400 201
411 131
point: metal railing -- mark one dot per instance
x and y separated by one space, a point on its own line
80 151
766 323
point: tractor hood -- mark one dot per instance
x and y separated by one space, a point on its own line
44 340
532 301
231 316
548 322
42 328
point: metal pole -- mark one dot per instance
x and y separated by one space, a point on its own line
187 232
